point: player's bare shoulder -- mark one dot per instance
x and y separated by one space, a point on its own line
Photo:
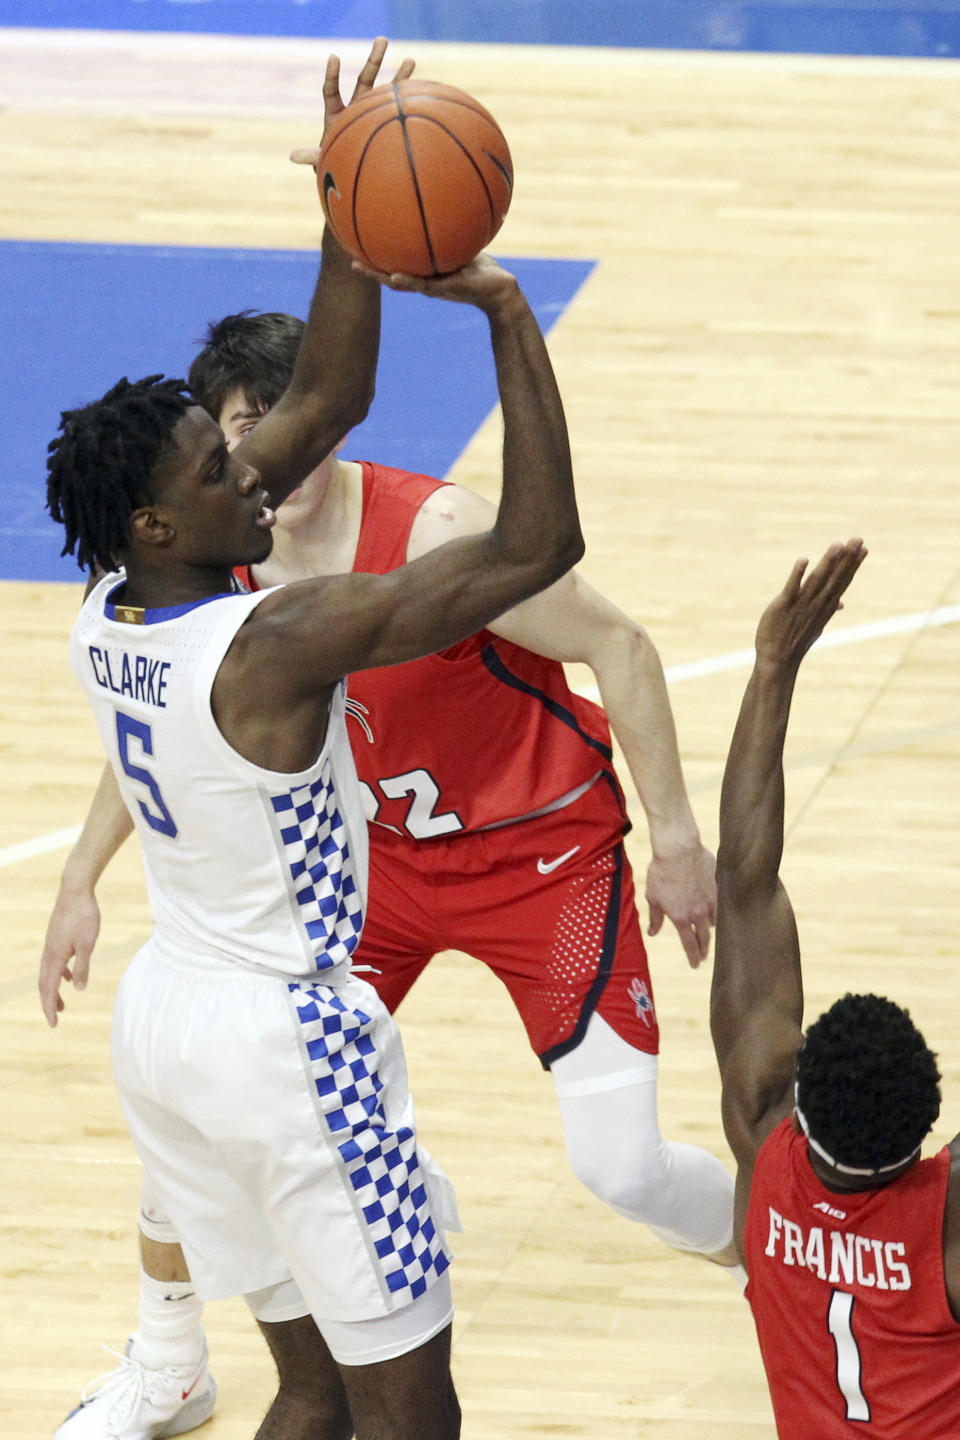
448 513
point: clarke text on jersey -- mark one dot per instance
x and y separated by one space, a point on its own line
137 677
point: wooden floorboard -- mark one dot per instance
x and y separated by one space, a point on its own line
764 360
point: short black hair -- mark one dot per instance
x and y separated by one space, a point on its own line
867 1082
101 462
254 352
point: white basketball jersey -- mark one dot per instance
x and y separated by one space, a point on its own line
265 869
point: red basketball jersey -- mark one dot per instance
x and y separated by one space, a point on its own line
483 733
849 1300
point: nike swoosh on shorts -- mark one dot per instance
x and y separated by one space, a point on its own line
546 866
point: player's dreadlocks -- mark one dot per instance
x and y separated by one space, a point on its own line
251 352
100 465
867 1082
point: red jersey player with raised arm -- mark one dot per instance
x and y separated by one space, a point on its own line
497 826
851 1241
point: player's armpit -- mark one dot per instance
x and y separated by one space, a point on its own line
757 1083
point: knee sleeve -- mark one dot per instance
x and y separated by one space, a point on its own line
608 1105
153 1218
614 1144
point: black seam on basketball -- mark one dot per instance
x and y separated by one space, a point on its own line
348 124
455 138
442 92
402 117
475 109
501 167
356 186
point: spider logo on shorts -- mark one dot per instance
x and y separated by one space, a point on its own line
640 995
360 713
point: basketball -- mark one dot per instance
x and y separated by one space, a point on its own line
415 178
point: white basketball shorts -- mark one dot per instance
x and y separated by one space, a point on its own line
275 1121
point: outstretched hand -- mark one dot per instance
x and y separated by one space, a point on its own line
795 619
483 282
333 103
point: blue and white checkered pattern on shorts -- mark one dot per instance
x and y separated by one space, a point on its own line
382 1165
314 839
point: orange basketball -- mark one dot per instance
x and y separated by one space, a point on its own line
415 178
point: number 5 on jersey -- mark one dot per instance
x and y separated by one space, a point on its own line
138 732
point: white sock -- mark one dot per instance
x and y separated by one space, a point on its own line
169 1332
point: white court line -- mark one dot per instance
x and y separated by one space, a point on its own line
27 849
691 670
851 635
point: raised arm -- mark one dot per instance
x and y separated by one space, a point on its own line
535 535
305 636
75 920
333 380
757 998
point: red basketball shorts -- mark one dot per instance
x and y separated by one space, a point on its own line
547 904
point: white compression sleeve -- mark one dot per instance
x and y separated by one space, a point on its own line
607 1092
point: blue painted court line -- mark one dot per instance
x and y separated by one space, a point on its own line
843 27
77 317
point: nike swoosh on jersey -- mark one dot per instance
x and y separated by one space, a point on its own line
546 866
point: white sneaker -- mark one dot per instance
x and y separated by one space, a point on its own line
134 1403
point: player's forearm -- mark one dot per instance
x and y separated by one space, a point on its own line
335 375
537 522
752 797
106 827
757 969
634 694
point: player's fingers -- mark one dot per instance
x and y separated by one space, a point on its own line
701 929
656 917
853 556
382 279
691 945
825 575
331 79
831 579
306 155
792 586
371 68
393 282
50 1002
406 69
81 967
820 595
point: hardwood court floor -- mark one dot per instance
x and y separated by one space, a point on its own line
765 359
